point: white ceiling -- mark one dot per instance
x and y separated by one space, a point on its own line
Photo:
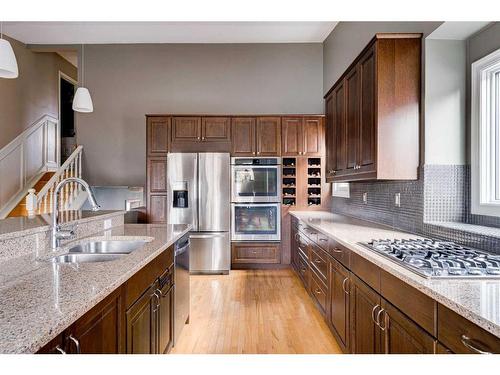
457 30
167 32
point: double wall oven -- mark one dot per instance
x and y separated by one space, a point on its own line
255 197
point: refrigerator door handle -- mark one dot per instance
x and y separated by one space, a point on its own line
204 236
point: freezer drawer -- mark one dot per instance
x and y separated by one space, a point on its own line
210 252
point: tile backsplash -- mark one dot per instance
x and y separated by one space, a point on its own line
435 205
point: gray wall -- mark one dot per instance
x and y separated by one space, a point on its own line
33 94
128 81
348 39
445 101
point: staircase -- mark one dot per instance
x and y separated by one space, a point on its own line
20 209
42 193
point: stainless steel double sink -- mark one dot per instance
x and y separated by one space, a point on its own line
98 251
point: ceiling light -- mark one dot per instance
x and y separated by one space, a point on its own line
8 62
82 102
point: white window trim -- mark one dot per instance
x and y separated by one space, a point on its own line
341 189
485 137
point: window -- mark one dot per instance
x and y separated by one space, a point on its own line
485 135
340 189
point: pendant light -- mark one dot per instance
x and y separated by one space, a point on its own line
8 62
82 102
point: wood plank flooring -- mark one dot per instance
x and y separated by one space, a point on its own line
253 312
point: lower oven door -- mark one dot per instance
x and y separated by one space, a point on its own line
255 222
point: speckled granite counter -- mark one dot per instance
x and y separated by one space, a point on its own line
476 300
39 299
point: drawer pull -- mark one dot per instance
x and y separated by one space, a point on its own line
335 250
317 291
373 313
378 319
343 286
323 239
60 350
473 345
318 261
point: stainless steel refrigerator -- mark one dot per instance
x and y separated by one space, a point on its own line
199 194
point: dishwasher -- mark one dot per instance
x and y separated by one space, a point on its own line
182 289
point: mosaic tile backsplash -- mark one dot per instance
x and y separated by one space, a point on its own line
436 205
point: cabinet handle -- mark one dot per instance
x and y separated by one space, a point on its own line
198 138
60 350
373 313
318 261
317 291
469 343
343 286
155 309
258 152
77 343
202 138
323 239
378 319
335 250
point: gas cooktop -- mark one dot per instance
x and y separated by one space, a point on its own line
438 259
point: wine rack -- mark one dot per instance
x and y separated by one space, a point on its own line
314 181
289 183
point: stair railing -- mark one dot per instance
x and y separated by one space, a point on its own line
72 167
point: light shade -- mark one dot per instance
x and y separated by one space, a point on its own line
82 102
8 62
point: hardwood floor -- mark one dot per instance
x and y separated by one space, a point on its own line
253 312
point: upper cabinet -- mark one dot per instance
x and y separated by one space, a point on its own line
157 133
302 136
259 136
198 134
372 113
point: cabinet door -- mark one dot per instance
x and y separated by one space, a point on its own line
364 305
331 152
340 129
367 113
99 330
339 302
313 130
352 119
157 175
158 130
268 135
166 319
292 136
141 324
294 247
216 129
401 335
243 136
157 208
186 129
262 253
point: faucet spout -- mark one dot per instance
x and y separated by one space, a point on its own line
57 233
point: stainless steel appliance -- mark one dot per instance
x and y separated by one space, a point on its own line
255 222
438 259
181 285
198 194
255 179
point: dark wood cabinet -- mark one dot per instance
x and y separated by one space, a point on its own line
157 134
292 129
364 305
245 253
338 313
141 323
313 136
186 129
216 129
166 319
373 113
157 208
99 331
243 136
401 335
268 136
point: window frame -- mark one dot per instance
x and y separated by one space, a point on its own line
485 135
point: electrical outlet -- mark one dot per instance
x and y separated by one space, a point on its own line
365 198
397 199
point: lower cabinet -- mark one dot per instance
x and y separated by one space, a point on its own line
142 324
338 312
166 319
254 253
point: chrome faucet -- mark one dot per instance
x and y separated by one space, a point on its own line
57 232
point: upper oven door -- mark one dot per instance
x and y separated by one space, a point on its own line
255 183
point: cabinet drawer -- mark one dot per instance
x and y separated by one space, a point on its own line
366 271
319 262
303 269
462 336
339 252
311 234
318 291
323 241
255 253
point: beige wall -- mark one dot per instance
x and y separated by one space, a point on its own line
33 94
128 81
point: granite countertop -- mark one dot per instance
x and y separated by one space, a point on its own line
475 299
15 226
39 299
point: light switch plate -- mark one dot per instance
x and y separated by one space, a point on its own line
397 199
365 198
